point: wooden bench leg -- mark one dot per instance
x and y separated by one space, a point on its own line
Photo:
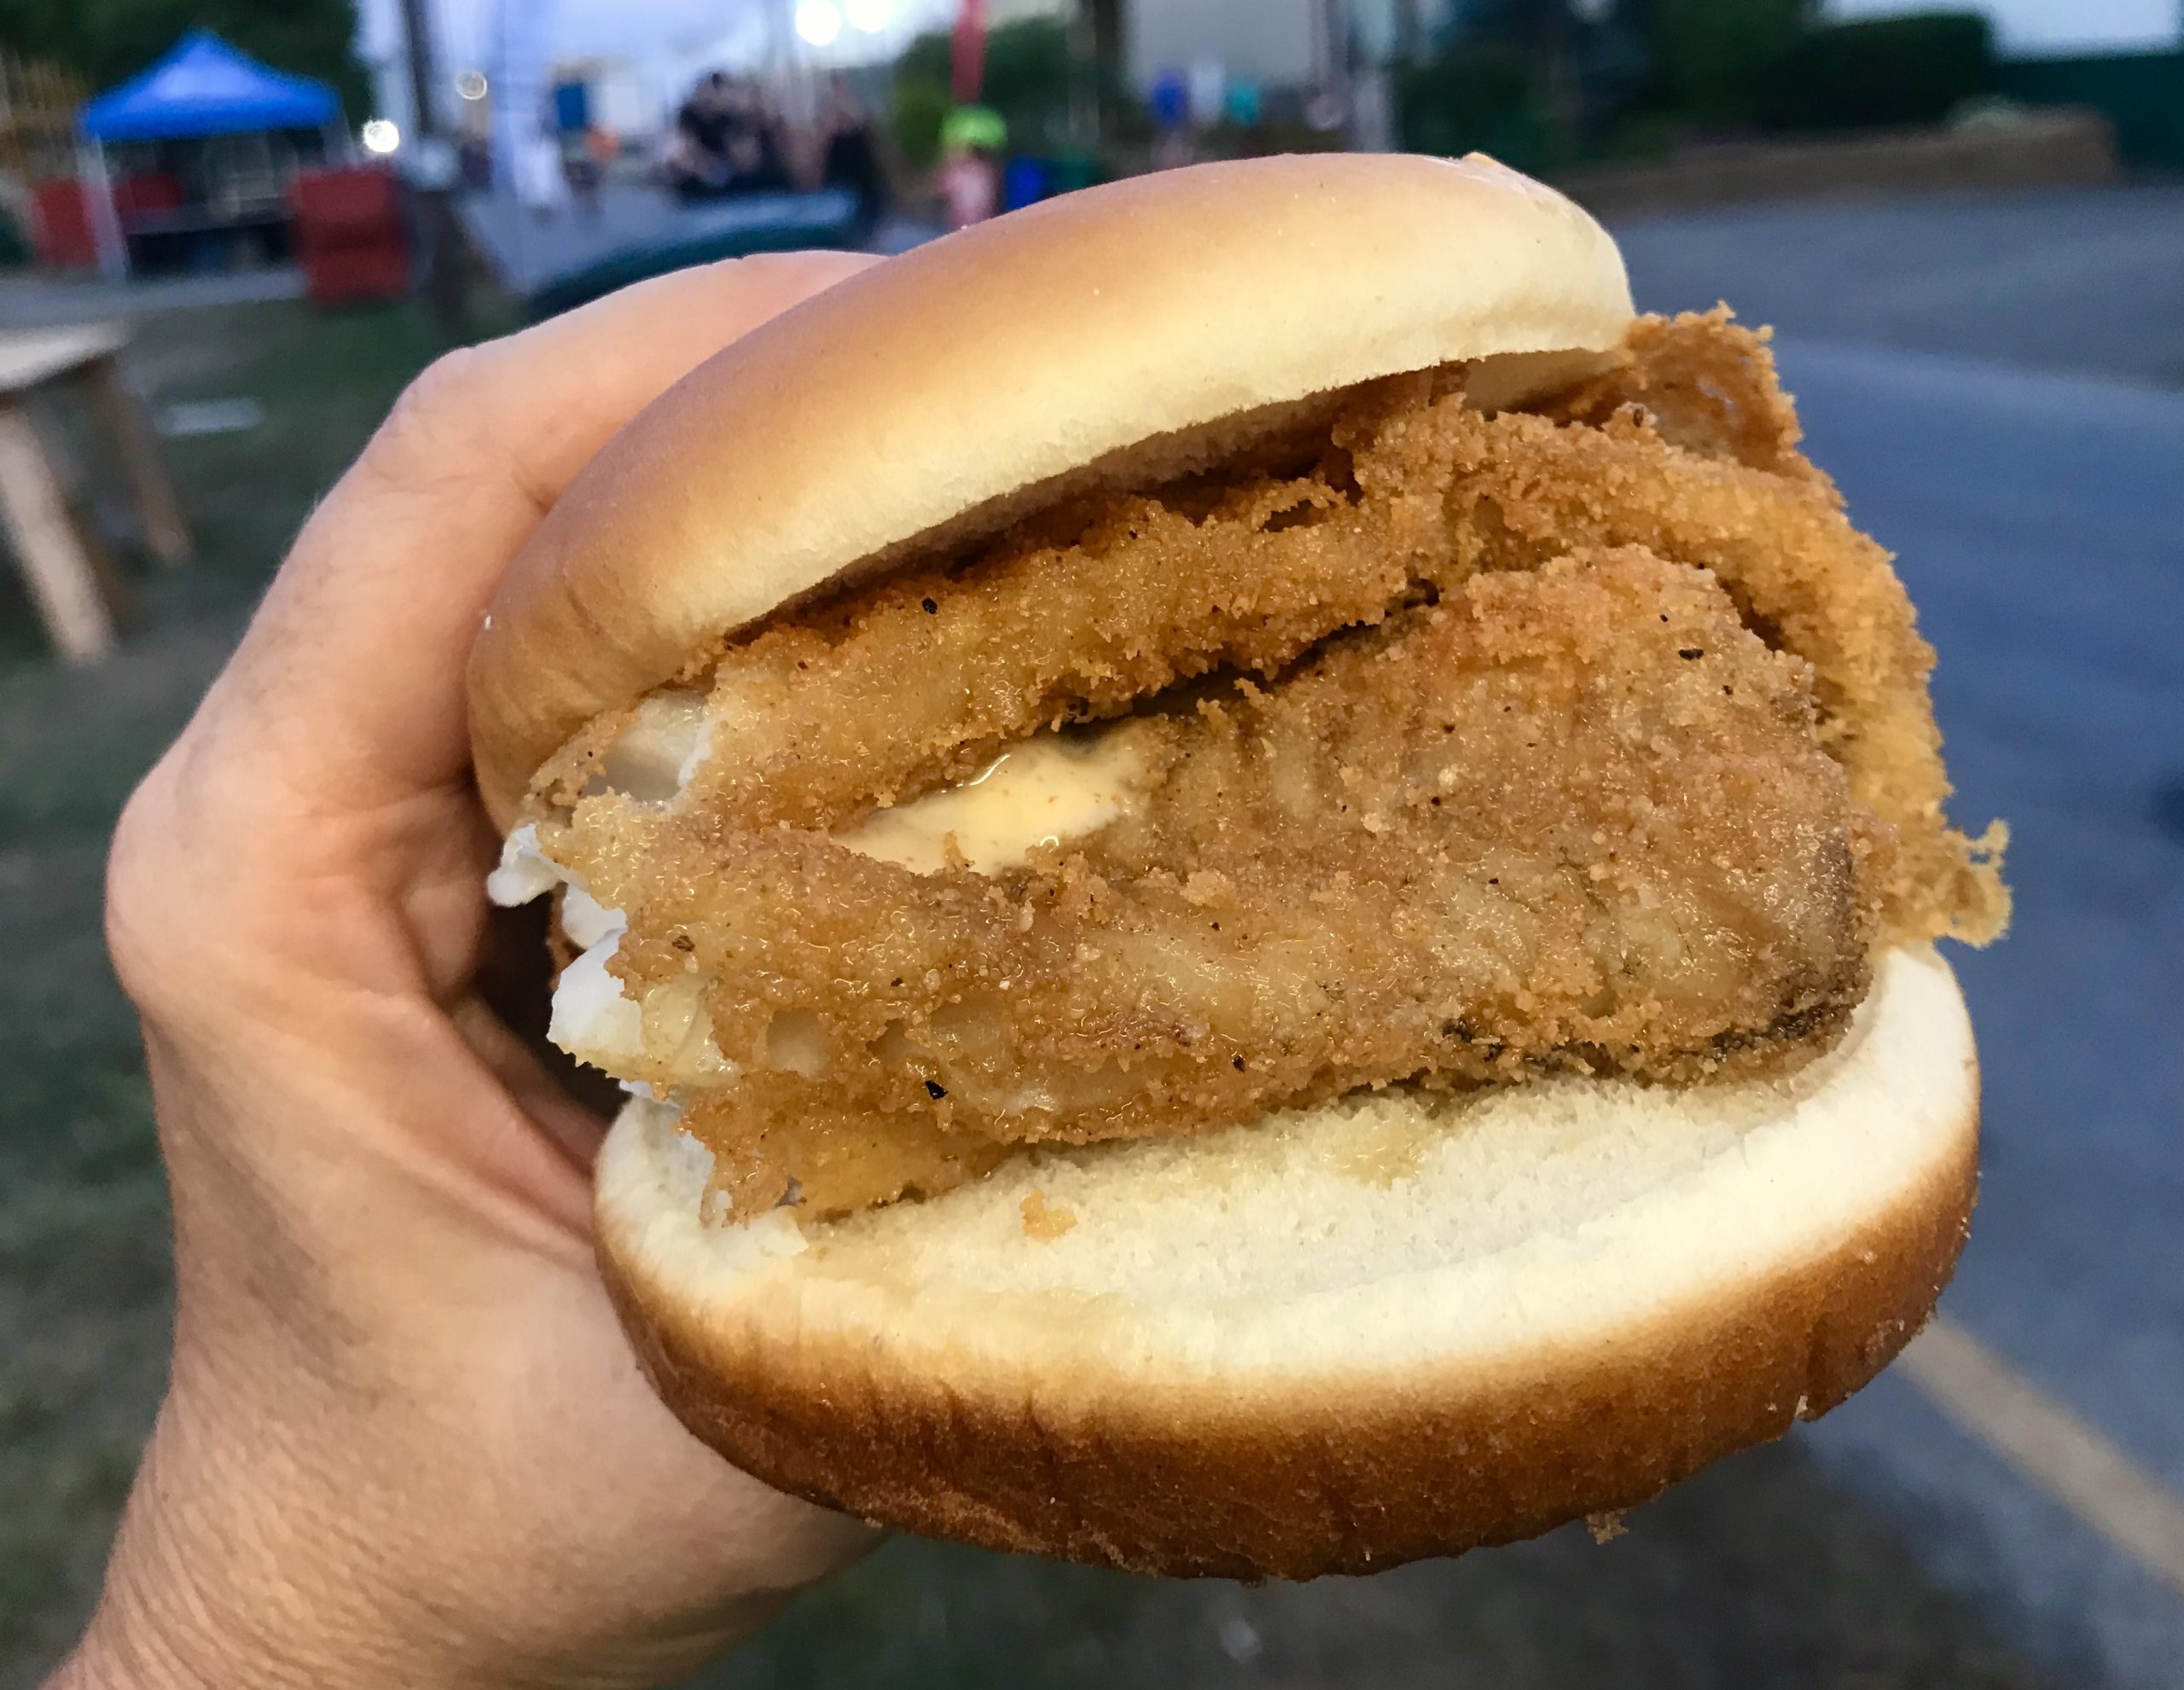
157 505
63 579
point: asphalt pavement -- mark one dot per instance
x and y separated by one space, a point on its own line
2039 522
1984 376
2086 280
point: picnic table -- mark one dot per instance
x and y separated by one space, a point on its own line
71 585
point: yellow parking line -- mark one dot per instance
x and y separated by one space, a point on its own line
2045 1442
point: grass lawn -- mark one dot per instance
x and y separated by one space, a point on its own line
1762 1572
84 1277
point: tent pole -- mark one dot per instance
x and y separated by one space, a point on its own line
105 217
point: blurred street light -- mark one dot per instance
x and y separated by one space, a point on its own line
871 16
818 21
380 136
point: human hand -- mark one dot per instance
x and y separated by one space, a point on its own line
403 1443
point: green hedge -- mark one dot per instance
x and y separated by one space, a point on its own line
2143 94
1711 56
1880 72
1482 98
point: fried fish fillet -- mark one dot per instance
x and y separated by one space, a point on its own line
1574 816
923 678
1465 745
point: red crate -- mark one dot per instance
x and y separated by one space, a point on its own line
61 215
350 235
350 274
341 205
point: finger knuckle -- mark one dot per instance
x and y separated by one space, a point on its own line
142 870
177 854
443 398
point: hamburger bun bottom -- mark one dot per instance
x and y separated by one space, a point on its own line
1333 1340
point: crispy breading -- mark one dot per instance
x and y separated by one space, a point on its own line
1526 490
1479 745
1577 816
920 679
1706 383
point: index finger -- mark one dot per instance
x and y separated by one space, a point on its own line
351 676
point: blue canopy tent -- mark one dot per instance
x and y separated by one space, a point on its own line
203 87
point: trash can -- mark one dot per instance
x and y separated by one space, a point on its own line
1023 182
350 235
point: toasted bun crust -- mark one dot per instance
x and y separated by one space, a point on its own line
1328 1342
946 390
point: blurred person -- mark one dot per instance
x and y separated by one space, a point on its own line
582 170
728 141
697 162
676 165
970 185
541 183
757 156
605 146
1174 143
574 132
971 139
851 159
475 154
403 1441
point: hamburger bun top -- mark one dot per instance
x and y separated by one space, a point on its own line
1088 341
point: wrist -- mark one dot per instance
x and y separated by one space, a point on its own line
230 1570
115 1655
140 1639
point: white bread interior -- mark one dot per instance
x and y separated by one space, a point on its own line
1119 335
1328 1340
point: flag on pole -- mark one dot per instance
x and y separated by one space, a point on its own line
967 63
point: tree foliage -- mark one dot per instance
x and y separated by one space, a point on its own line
1027 74
1715 56
1878 71
1483 97
105 41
